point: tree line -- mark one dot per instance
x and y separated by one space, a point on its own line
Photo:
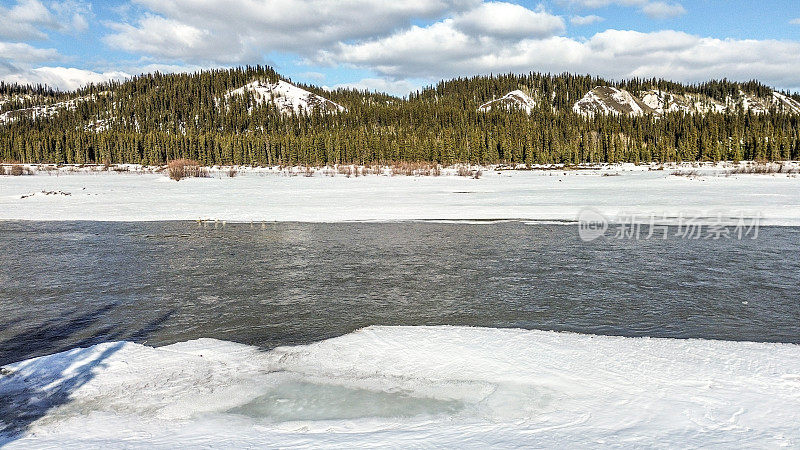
155 118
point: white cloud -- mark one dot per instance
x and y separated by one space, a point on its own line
28 18
795 21
17 52
441 51
168 38
64 78
410 52
24 20
311 75
653 9
461 37
398 87
73 16
231 31
593 4
663 10
507 20
585 20
165 68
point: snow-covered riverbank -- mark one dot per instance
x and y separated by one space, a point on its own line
271 195
397 386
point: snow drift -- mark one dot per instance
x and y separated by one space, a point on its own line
399 385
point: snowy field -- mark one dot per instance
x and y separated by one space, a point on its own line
273 195
405 386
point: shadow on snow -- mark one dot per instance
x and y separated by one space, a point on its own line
27 398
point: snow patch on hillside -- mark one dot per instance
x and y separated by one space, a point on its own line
663 102
610 100
45 111
789 104
748 103
287 97
513 100
764 105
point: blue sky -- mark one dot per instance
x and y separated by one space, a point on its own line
400 46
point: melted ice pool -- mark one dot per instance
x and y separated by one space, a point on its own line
395 386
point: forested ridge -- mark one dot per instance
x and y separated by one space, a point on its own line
157 117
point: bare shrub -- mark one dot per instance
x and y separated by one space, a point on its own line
686 173
478 174
345 170
232 172
765 168
2 170
402 168
374 170
465 171
179 169
414 169
17 170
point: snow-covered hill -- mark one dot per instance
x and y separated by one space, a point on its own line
663 102
287 97
46 110
611 100
513 100
763 105
787 103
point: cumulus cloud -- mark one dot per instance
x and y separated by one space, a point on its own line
602 3
64 78
311 75
25 53
28 19
585 20
231 31
394 87
795 21
409 51
24 20
653 9
442 50
156 35
73 16
663 10
31 20
402 45
507 20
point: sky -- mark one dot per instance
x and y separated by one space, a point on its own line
400 46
